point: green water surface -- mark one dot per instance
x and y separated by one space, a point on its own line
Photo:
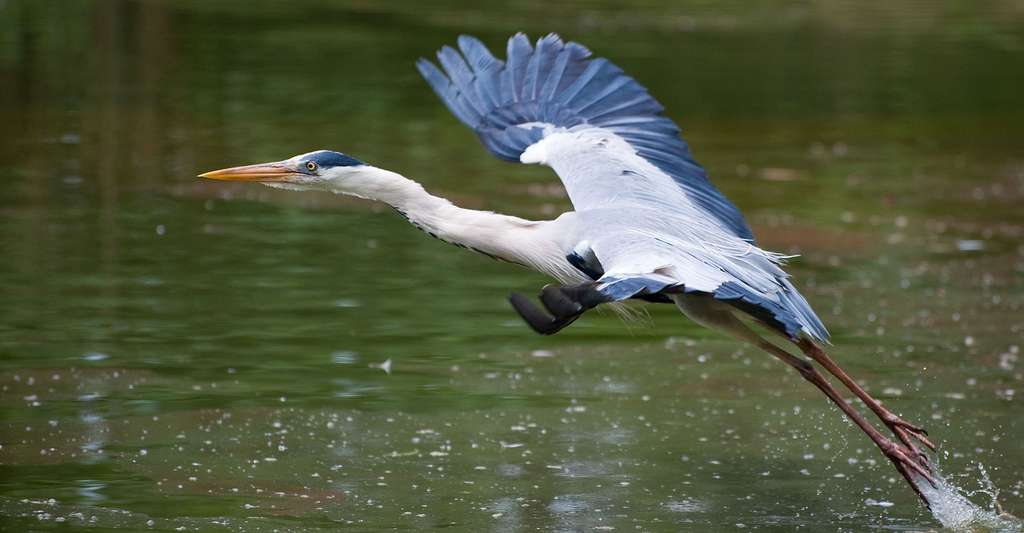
186 355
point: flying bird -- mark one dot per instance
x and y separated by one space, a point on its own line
647 223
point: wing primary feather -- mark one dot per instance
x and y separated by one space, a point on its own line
616 88
435 78
443 87
519 52
638 104
477 55
463 79
455 65
486 68
547 91
540 63
593 69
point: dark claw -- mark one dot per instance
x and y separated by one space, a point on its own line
904 430
540 321
899 456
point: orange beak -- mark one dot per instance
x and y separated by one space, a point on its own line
277 171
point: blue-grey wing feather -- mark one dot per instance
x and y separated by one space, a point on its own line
559 84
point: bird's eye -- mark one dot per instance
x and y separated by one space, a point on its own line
311 166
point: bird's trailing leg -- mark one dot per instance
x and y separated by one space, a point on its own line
564 305
907 463
904 430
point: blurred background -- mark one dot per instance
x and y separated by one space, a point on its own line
207 356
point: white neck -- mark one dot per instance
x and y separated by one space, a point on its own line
530 243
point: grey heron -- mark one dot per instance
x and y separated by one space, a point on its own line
647 223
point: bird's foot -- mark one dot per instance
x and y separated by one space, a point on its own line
897 424
909 435
908 461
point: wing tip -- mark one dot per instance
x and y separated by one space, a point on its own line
421 64
465 38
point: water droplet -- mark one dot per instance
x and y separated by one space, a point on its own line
95 356
385 366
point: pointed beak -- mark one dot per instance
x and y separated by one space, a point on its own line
276 171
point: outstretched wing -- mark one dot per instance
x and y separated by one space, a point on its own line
659 225
599 129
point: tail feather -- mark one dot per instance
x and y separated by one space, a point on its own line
791 314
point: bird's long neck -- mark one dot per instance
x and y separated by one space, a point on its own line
526 242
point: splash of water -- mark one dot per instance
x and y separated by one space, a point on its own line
952 508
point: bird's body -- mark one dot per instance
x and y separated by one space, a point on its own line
645 212
647 223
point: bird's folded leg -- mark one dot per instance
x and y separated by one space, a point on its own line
565 305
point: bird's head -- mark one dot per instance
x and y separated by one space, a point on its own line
319 170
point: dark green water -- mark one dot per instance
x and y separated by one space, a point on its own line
184 354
